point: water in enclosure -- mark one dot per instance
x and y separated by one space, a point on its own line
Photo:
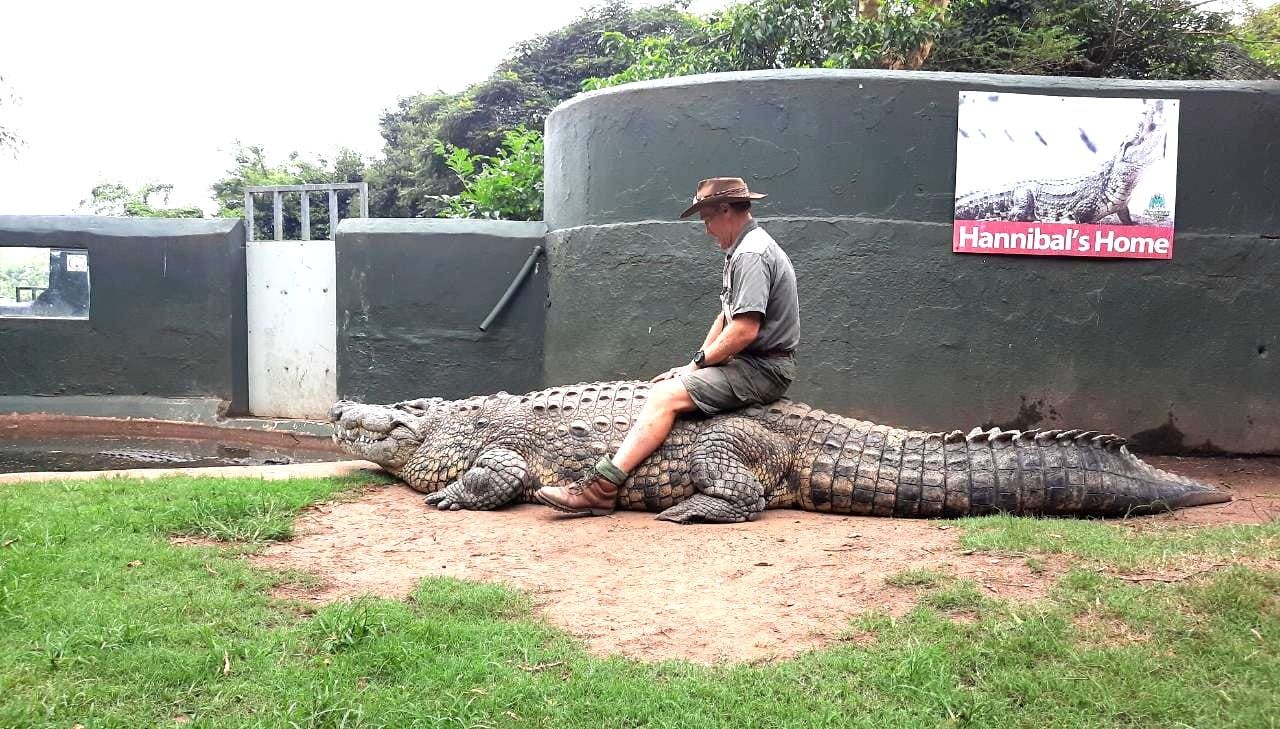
48 443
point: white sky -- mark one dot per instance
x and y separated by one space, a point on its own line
135 91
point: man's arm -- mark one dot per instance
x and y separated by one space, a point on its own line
717 326
723 342
742 331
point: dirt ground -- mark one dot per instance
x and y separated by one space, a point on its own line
652 590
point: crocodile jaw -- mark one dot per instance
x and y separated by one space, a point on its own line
377 433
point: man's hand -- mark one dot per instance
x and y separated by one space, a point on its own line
674 371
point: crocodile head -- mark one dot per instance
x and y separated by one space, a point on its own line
1148 141
388 435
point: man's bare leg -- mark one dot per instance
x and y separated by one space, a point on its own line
667 399
597 494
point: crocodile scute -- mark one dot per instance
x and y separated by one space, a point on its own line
485 452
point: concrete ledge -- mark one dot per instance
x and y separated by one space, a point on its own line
33 426
12 226
184 409
177 410
268 473
444 226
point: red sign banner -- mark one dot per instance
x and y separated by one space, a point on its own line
1072 176
1062 239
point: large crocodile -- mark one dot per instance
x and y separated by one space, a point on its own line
1084 199
484 452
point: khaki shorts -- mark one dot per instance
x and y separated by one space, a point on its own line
743 380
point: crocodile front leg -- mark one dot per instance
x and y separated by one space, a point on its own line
498 477
728 491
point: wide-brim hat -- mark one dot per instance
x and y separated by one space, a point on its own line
718 190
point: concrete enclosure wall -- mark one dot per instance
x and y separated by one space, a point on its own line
166 319
1178 355
411 297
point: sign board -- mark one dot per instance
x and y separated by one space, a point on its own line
1065 176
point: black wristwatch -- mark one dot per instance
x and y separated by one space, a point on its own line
699 358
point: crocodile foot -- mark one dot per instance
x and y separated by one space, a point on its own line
701 507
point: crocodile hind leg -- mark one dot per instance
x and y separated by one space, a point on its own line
727 490
498 477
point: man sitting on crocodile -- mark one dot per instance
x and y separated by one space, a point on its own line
488 451
746 358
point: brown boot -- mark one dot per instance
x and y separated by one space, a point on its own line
593 494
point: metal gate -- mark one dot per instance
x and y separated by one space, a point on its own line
292 307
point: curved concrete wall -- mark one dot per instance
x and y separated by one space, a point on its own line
860 167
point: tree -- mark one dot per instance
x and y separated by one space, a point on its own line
558 62
27 267
1143 39
252 169
765 34
410 178
8 138
113 198
413 178
1115 38
1259 36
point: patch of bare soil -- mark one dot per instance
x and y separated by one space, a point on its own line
1254 484
651 590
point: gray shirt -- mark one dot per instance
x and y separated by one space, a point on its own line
758 277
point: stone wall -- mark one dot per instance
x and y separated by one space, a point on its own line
411 297
166 318
1180 355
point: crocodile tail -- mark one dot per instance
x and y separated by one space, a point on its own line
875 470
1063 473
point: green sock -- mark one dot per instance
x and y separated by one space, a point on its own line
612 473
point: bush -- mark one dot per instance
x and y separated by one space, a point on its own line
505 186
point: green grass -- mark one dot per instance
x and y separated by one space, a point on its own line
920 577
105 623
1112 543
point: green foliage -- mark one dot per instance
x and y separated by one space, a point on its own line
767 34
22 267
506 185
113 198
830 33
413 178
561 60
8 138
410 177
652 58
252 169
1259 35
1144 39
1114 38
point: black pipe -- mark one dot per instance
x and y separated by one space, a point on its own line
511 290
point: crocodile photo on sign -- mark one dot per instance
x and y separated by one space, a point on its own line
1088 198
485 452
